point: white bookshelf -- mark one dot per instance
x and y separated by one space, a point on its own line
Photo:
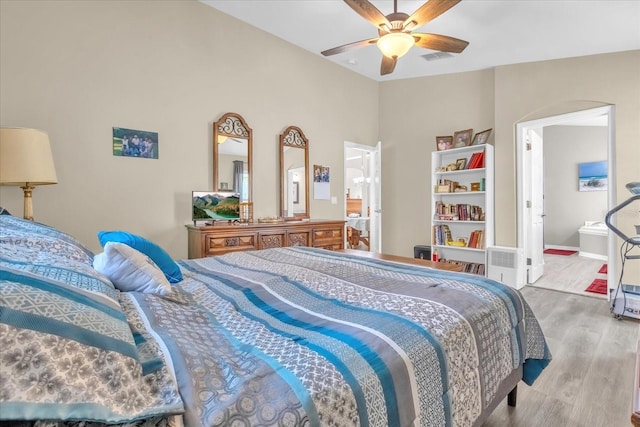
462 229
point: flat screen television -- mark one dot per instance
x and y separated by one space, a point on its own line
215 206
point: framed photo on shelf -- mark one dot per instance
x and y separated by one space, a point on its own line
462 138
481 137
461 163
444 142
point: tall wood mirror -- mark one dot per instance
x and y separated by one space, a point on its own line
232 163
294 174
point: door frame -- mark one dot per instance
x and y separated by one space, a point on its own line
522 129
374 197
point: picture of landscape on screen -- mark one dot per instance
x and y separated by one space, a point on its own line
217 205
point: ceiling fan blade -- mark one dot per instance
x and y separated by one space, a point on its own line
428 12
349 46
388 65
370 13
439 42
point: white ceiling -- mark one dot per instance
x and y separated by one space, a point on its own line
499 32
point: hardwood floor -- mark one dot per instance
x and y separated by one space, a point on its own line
589 382
570 273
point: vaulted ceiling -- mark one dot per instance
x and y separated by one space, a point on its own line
499 32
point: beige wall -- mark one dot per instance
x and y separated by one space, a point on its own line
77 69
414 111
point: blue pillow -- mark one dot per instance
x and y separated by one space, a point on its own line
156 253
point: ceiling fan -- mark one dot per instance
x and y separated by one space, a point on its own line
394 31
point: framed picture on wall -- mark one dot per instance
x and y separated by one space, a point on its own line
592 176
296 192
135 143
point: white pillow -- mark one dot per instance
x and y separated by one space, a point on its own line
131 270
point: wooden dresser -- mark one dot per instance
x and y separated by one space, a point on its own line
210 240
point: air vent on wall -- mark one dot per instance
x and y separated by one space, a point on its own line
435 56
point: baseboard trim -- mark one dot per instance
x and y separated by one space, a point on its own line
593 256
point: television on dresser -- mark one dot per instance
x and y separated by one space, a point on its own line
215 206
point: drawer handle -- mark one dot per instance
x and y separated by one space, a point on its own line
234 241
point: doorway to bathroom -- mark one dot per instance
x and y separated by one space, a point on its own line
552 209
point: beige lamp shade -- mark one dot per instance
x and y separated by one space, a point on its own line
26 161
25 157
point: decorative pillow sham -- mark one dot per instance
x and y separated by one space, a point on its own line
24 234
162 259
131 270
70 354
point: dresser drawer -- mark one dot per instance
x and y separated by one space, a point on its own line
220 244
272 240
299 238
327 236
332 247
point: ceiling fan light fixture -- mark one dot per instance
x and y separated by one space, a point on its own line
395 44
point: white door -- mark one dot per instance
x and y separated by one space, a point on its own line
535 250
375 197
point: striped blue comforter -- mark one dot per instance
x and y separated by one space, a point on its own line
301 336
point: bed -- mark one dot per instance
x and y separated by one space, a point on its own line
286 336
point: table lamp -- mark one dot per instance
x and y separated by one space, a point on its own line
26 161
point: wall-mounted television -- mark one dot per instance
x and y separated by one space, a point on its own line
215 206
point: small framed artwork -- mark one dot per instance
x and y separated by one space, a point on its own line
592 176
461 163
296 192
135 143
481 137
444 142
462 138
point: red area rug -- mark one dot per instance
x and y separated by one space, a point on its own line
558 252
603 269
598 286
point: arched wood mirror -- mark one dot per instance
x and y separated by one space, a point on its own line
294 174
232 148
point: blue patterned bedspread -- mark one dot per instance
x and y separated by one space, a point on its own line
301 336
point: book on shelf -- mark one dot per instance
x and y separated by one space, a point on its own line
467 267
472 160
458 212
446 186
476 239
476 160
441 235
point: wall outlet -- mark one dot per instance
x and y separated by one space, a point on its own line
334 200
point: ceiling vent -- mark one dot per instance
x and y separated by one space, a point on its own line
436 56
